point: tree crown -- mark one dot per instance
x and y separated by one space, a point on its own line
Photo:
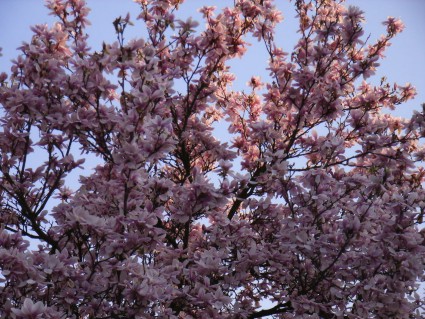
312 208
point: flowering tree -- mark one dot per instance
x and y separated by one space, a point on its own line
311 209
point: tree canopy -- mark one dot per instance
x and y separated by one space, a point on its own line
312 208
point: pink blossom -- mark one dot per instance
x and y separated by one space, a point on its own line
354 13
194 199
255 82
394 25
30 309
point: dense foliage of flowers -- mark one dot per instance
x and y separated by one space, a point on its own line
311 209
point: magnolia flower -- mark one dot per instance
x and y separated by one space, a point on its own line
189 25
394 25
255 82
30 310
354 13
65 193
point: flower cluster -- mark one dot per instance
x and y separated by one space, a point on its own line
313 203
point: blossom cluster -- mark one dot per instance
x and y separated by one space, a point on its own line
314 204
